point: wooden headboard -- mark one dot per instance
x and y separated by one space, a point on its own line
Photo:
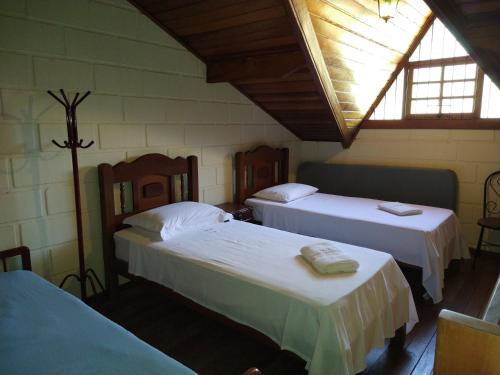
150 181
259 169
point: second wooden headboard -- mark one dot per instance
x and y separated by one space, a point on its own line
259 169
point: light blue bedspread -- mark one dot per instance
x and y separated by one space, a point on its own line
46 331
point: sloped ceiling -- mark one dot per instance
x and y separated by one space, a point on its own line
476 24
316 66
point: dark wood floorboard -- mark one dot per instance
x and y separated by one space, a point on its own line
212 348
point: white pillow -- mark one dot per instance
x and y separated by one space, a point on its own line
176 217
286 192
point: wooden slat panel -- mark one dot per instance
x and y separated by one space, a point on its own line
481 7
268 67
343 37
282 97
251 32
291 106
193 11
161 5
262 46
186 29
367 15
283 87
338 24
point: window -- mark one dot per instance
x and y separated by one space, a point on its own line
443 87
440 81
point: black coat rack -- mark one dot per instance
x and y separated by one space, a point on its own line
73 143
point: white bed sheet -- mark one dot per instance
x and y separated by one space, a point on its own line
429 240
256 276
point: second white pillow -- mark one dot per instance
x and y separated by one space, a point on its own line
286 192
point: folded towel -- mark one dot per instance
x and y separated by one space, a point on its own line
399 209
325 257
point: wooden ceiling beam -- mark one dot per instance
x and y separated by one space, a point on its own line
304 29
255 68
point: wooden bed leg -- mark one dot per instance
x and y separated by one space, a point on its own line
112 285
398 341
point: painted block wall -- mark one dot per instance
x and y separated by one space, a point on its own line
148 95
472 154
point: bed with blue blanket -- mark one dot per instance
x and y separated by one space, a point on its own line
46 331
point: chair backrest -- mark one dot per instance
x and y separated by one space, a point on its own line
22 251
491 195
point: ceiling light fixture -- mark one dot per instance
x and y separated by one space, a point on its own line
387 9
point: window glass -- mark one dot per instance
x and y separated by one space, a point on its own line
462 105
462 71
490 106
460 88
427 74
426 90
425 106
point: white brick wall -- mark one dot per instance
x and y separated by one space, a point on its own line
472 154
148 95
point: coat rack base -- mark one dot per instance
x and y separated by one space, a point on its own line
89 275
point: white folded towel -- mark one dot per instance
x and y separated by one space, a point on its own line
400 209
325 257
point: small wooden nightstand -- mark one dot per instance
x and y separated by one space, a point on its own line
239 211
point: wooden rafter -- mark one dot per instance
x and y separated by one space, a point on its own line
299 12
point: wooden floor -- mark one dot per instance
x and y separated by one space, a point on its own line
212 348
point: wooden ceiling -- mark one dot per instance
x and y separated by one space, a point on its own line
316 66
476 24
361 50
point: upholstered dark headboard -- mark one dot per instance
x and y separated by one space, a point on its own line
426 186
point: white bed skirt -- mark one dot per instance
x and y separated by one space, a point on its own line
429 241
254 276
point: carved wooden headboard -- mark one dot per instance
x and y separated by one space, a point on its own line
259 169
150 181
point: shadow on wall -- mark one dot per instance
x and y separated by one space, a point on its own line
27 119
320 151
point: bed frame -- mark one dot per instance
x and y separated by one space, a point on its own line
21 251
154 180
258 169
425 186
150 181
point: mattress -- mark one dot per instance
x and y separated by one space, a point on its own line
429 240
46 331
256 276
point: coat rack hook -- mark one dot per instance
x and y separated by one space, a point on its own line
64 96
83 97
59 145
75 99
55 97
87 146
